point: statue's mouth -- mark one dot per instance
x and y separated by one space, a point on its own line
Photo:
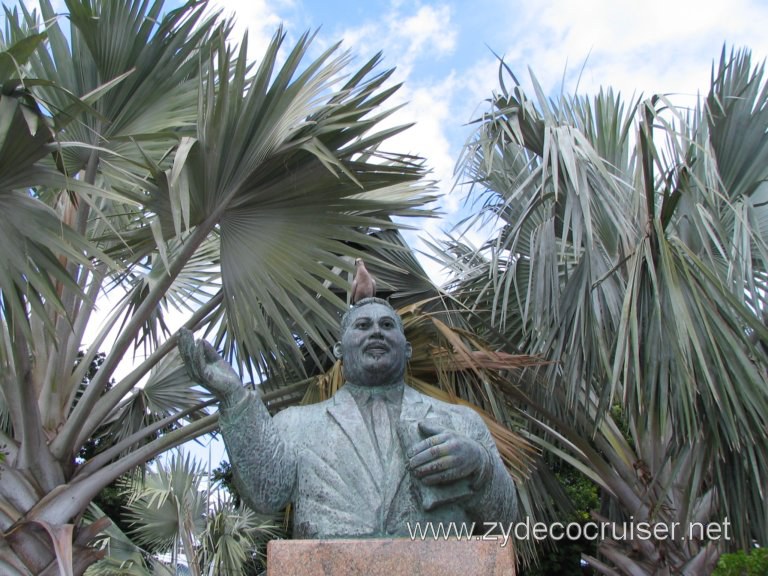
377 348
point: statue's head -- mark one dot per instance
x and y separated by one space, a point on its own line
373 344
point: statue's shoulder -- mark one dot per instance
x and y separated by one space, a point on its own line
304 412
456 412
413 395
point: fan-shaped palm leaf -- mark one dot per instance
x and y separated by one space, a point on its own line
169 506
234 536
287 203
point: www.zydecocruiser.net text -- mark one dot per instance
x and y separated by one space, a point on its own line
526 530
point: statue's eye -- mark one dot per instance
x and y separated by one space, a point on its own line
387 323
362 324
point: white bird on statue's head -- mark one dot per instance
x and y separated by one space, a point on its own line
363 284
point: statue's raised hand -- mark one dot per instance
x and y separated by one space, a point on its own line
207 368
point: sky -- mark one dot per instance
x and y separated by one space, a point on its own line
446 54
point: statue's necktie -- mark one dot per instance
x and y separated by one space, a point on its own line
382 428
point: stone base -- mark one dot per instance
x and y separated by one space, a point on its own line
389 557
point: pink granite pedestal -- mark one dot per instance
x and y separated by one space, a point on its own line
389 557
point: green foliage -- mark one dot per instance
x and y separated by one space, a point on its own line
565 556
169 506
124 557
581 491
166 503
235 539
741 563
112 500
224 476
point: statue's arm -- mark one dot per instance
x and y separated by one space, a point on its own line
263 461
495 495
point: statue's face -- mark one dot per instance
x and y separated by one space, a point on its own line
373 347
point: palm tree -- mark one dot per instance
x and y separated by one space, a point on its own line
631 253
144 157
123 556
168 506
235 539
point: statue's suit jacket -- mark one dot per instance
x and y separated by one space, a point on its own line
322 459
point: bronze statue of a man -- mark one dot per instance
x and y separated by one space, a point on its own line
370 460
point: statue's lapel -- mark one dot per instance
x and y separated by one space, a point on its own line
413 410
346 414
413 407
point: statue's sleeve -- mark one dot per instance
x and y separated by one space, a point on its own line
495 497
263 461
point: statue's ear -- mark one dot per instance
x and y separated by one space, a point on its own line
337 350
408 350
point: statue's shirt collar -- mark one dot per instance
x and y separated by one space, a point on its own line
393 393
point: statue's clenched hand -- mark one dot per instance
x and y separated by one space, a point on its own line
206 367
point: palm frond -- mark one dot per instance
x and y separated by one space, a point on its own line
630 252
262 165
161 505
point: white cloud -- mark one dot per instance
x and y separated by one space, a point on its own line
407 32
413 35
429 108
654 46
431 27
258 17
59 7
440 103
